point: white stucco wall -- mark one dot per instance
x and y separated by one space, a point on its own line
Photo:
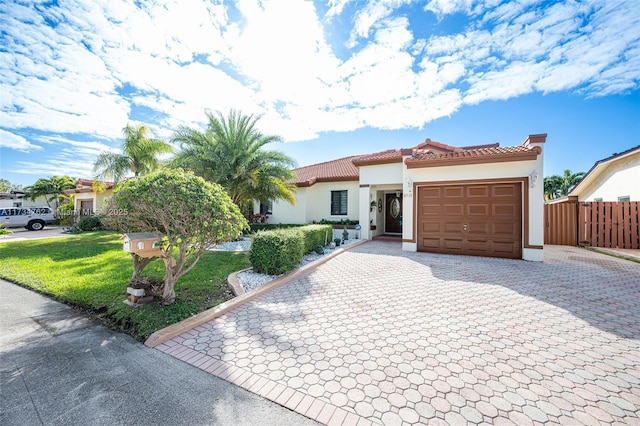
381 174
313 203
613 180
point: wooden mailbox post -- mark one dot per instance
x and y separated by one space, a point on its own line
145 245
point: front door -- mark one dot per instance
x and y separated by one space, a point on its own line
393 214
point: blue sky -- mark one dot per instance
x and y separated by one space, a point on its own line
332 78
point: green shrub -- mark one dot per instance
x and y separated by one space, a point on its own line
276 252
2 230
316 235
255 227
87 224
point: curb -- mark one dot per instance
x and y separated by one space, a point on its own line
185 325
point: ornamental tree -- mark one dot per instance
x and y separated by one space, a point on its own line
190 213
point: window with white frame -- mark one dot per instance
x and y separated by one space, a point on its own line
339 203
624 199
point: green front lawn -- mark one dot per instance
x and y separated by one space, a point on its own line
91 271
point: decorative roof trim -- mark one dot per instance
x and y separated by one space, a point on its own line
459 160
313 181
378 161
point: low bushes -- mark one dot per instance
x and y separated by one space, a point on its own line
255 227
87 224
278 251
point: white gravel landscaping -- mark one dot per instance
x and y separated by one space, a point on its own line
251 280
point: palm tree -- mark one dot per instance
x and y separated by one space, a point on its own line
557 186
230 152
52 189
569 180
140 154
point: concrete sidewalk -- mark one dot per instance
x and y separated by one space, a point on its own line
58 367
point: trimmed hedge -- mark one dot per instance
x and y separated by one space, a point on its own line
316 235
278 251
255 227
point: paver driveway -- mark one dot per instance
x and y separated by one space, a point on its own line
377 335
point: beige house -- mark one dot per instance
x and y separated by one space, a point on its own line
483 200
90 196
616 178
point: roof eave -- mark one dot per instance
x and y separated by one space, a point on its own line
469 160
596 169
377 161
313 181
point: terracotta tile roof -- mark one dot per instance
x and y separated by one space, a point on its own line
86 185
382 157
341 169
426 154
425 158
487 145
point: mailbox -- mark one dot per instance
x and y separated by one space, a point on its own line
144 244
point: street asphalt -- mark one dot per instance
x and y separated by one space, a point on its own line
60 367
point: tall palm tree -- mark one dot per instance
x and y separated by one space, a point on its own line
557 186
52 189
140 154
230 152
569 180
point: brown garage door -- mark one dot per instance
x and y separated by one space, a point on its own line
473 219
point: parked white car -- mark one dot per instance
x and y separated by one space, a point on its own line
32 218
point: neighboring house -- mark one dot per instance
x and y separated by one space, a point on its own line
478 200
18 199
616 178
87 199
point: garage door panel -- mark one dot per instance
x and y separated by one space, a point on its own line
431 227
503 247
506 190
431 243
452 227
452 243
453 192
431 193
477 210
474 219
508 210
431 210
478 191
477 228
453 210
505 229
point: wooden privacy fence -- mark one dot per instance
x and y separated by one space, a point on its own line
596 224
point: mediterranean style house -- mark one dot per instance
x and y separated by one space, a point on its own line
482 200
89 195
616 178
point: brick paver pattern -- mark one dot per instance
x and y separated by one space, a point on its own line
378 335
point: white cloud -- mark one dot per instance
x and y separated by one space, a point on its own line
17 142
104 64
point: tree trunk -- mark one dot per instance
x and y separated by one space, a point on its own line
168 292
139 264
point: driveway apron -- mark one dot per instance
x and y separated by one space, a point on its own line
381 336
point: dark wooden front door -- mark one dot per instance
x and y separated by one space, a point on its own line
393 214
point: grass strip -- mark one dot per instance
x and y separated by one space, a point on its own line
91 271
